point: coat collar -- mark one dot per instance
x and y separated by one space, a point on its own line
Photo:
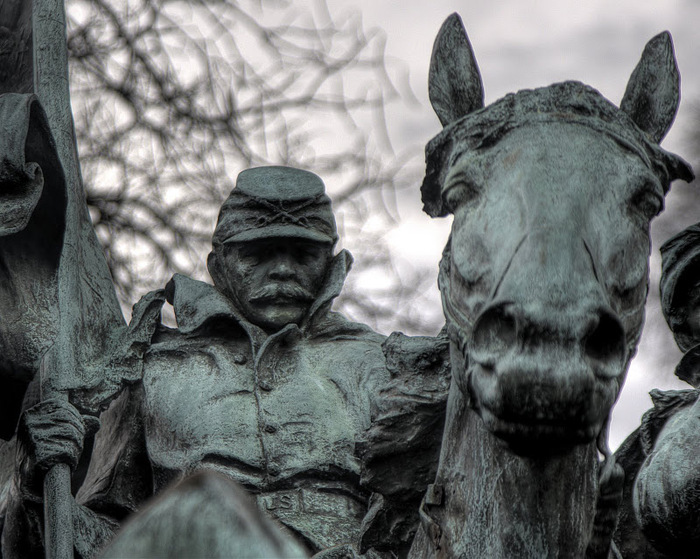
197 303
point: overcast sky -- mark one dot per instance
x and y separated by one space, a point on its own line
525 44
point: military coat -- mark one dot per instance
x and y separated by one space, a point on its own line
278 414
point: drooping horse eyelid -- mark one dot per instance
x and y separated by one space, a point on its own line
645 187
459 193
460 184
649 183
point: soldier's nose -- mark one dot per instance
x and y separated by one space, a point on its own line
282 268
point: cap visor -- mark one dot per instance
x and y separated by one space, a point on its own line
272 231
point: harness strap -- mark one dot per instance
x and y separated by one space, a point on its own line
433 497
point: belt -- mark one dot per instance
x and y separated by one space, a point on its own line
323 518
310 501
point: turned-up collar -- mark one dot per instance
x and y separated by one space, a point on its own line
196 303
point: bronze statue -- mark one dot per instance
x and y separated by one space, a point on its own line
543 283
260 382
661 498
332 429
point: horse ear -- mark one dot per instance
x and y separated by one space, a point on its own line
653 92
454 83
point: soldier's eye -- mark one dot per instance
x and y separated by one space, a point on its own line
305 254
249 254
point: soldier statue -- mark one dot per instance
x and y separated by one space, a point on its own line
260 382
659 517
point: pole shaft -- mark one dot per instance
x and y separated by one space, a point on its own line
52 87
58 498
51 80
58 517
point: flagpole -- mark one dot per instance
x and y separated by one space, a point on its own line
52 87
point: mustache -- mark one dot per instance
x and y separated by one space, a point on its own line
288 290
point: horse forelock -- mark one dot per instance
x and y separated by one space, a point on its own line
567 102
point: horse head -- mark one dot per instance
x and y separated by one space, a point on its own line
545 276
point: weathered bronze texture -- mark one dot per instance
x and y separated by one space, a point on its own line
266 422
661 497
543 283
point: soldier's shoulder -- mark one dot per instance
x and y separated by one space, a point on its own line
336 326
417 355
401 449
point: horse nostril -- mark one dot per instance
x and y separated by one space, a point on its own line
495 332
605 343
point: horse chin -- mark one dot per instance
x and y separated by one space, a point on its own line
532 438
562 419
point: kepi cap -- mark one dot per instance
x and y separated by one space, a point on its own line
276 202
680 255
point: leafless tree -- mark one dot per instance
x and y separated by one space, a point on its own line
173 98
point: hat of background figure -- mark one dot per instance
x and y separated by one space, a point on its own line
680 262
276 202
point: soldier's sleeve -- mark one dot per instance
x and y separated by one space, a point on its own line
114 479
643 447
400 451
119 478
22 522
667 489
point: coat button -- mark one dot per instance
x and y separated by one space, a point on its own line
264 385
273 470
270 428
240 359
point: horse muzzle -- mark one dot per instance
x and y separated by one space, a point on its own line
544 381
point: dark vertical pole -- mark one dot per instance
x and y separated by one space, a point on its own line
52 87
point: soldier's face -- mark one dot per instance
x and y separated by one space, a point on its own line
274 281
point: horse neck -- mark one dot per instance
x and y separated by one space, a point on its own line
497 504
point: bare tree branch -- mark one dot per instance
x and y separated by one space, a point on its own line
172 99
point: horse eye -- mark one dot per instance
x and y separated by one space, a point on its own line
459 193
648 202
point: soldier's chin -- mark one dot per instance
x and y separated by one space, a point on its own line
275 315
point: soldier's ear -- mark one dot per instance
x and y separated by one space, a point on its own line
653 92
